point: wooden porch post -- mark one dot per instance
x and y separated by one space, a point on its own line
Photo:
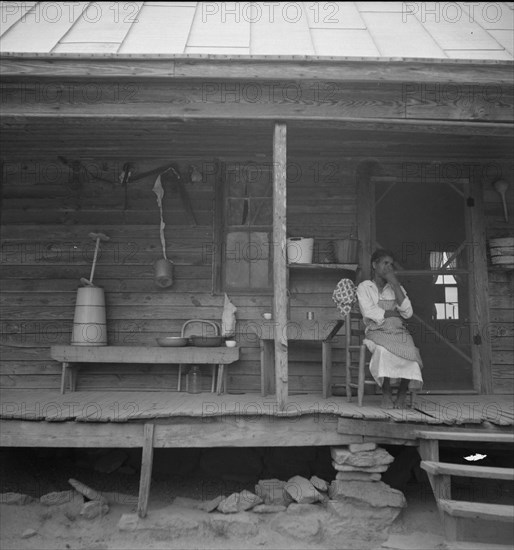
482 375
280 298
146 470
365 214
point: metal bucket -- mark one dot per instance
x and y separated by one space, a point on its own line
299 250
89 323
347 251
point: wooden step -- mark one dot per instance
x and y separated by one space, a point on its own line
463 545
477 510
467 470
478 437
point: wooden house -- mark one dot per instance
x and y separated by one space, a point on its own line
386 124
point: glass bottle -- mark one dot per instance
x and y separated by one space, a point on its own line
193 380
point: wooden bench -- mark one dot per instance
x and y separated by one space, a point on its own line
72 357
440 474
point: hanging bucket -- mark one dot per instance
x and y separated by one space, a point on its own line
163 273
502 252
299 250
347 251
89 325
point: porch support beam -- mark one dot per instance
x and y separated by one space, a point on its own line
481 345
412 72
146 470
280 298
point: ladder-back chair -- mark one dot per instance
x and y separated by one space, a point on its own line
356 359
355 356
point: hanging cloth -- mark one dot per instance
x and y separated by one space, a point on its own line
159 191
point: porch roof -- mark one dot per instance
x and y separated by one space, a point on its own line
385 30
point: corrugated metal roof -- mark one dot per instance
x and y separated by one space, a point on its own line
425 30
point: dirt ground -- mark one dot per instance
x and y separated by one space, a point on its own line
418 526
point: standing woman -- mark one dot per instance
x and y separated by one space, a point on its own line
384 304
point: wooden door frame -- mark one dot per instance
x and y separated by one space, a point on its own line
478 279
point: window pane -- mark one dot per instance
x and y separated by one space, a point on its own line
260 183
440 311
261 212
451 294
259 260
247 260
237 269
237 212
236 185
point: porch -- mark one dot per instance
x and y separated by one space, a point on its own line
103 408
151 420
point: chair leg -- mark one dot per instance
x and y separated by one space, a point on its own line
63 376
214 368
348 358
326 354
348 382
412 398
179 381
360 389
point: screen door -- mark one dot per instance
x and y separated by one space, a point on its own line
424 224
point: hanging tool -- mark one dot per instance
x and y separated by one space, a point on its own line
99 237
124 177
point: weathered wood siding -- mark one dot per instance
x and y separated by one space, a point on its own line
501 282
46 219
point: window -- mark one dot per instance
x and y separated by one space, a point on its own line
246 258
448 305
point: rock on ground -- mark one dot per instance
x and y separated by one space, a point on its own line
366 459
376 494
18 499
370 469
239 502
357 476
358 447
302 490
272 491
93 509
211 505
319 484
355 521
57 498
28 533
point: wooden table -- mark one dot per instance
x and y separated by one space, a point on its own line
305 331
72 357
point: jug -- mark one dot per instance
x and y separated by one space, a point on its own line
193 380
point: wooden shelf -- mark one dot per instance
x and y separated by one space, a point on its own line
344 267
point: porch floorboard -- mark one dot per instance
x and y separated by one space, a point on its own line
124 406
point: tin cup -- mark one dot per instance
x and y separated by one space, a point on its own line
310 315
